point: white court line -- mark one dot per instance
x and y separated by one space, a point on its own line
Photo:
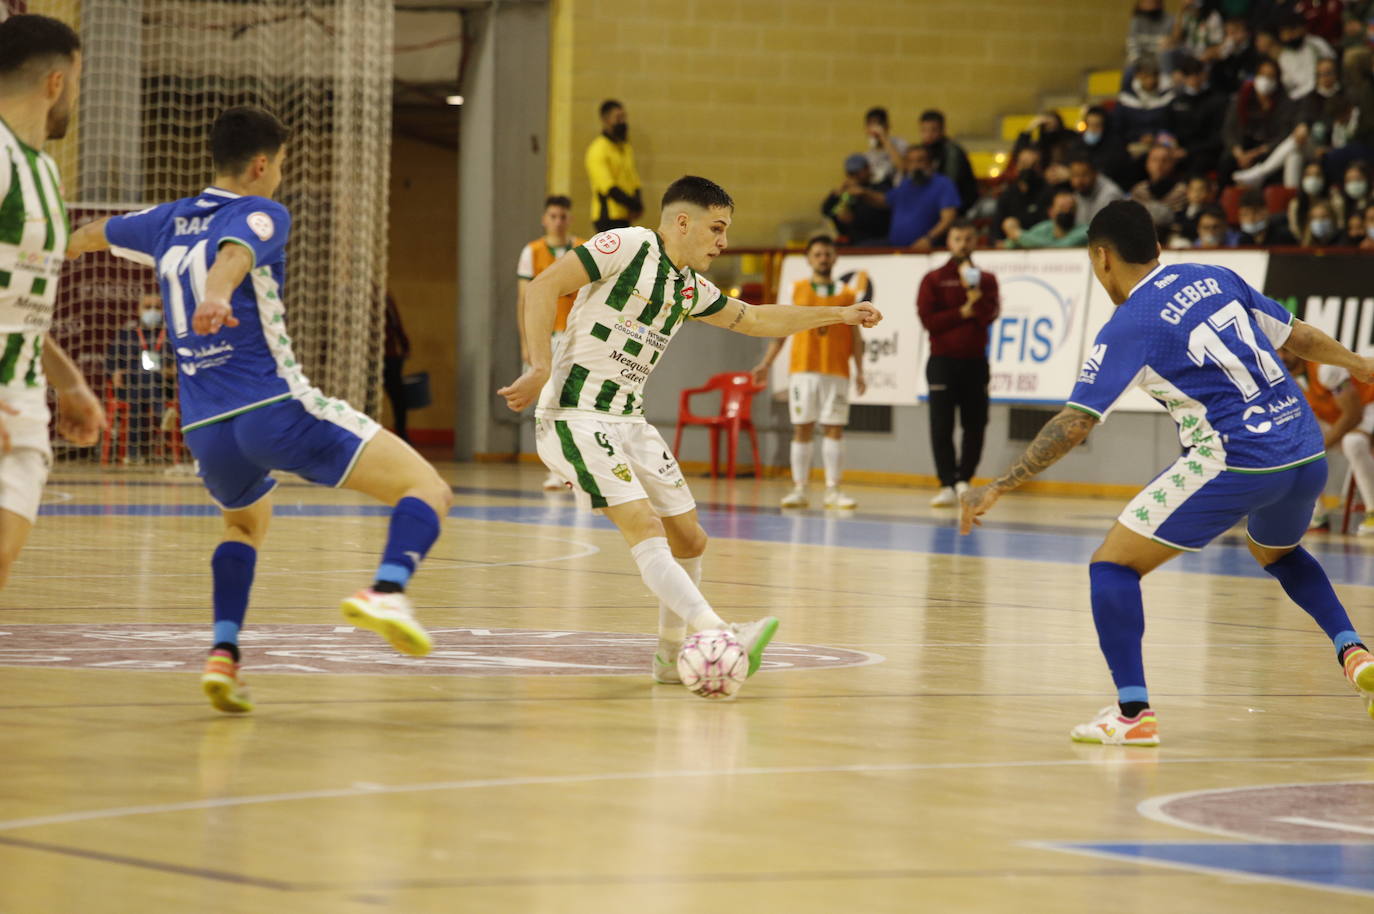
1153 808
1237 875
1326 823
362 790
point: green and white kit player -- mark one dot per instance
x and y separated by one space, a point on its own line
40 71
635 289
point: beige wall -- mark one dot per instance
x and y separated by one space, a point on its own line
767 96
423 269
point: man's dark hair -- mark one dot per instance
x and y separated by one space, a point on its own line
876 114
1212 210
819 239
1265 59
1125 226
933 114
609 105
1082 159
962 223
1254 199
698 192
558 200
1096 109
30 39
242 132
1189 66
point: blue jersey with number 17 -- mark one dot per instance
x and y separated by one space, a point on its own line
1203 343
239 368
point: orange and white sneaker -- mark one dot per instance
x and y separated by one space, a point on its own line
1110 728
1359 669
222 685
391 616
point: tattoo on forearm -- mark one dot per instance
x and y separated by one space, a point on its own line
1059 436
738 317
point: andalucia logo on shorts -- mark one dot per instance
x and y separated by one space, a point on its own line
621 471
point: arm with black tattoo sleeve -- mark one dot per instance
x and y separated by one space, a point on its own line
1068 429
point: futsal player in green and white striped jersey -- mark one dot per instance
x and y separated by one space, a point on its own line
635 289
40 70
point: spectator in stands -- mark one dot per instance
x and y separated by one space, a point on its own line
1354 235
1257 227
138 361
957 303
1358 129
1092 191
1257 122
1149 32
1024 201
1050 138
1323 18
948 157
1198 32
884 152
1367 243
1194 114
1104 147
1359 25
1311 188
1299 55
1324 107
923 206
1058 230
1236 59
610 161
1322 228
1162 192
1352 195
858 207
1201 197
1213 232
1142 110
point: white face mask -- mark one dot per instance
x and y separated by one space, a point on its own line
1208 240
151 318
1356 189
971 275
1265 85
1312 185
1253 228
1323 228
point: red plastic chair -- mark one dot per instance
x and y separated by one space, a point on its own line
737 390
116 427
1230 203
1276 198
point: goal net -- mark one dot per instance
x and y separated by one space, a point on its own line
156 73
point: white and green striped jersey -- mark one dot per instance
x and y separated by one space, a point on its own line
620 325
33 242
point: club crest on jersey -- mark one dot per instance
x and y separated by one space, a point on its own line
261 224
621 471
606 242
689 293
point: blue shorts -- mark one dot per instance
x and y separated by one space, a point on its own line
1190 504
314 437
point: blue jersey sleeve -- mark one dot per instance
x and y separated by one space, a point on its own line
259 224
134 236
1112 367
1273 319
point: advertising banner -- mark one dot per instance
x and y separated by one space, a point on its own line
1333 292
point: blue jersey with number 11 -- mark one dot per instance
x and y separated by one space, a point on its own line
239 368
1203 343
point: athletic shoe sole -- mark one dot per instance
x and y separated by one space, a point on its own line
405 636
220 690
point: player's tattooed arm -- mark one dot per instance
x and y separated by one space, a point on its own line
741 309
1063 433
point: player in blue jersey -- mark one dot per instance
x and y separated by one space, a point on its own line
1203 343
246 408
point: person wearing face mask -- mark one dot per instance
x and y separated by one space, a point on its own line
1322 116
1311 188
957 303
1367 242
1194 113
1102 146
1213 232
1060 228
1257 122
1162 192
1298 55
1257 227
1142 109
1352 194
1357 128
1236 57
1354 230
1023 202
139 363
1322 228
617 199
923 206
1201 196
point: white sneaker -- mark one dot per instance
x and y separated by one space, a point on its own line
665 662
944 498
391 616
755 637
554 483
834 498
1110 728
959 489
796 499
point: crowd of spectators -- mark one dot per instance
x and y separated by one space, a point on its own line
1238 123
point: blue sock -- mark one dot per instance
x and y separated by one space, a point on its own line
414 528
1119 614
232 566
1308 586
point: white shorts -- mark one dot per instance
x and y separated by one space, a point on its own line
816 397
613 463
24 470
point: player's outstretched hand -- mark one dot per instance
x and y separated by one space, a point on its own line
525 389
210 316
79 416
973 504
863 314
1364 373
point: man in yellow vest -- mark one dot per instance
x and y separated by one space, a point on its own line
535 258
616 199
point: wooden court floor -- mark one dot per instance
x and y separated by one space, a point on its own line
905 750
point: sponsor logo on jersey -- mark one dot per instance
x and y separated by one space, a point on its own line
1166 281
211 356
606 242
1093 364
689 293
641 332
1263 427
261 224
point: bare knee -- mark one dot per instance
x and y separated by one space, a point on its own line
803 433
834 431
689 543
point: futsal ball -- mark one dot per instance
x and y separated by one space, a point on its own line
713 664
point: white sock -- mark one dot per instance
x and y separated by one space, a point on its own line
801 463
832 455
1356 448
672 584
670 624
